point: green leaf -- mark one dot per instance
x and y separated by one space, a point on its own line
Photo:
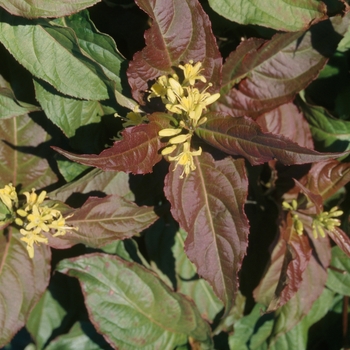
53 313
209 205
52 53
22 281
70 170
96 182
66 112
286 16
297 337
45 8
11 107
248 332
190 284
339 273
98 46
330 134
24 154
82 336
136 309
243 136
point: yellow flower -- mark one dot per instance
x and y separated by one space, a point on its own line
160 87
191 73
326 220
59 223
33 198
8 195
38 219
185 159
31 237
192 103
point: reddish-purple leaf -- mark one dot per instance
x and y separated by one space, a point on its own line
21 142
259 76
244 137
208 204
313 282
180 32
22 282
341 239
327 177
315 198
103 220
289 260
136 153
286 120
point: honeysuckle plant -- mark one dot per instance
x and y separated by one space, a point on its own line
174 174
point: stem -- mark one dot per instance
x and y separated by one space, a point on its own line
345 322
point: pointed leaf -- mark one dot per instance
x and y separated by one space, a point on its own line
82 336
339 273
22 281
105 182
314 198
286 120
289 260
148 306
311 287
180 32
341 239
243 136
44 8
101 221
286 16
66 112
52 53
260 76
197 289
330 134
11 107
208 204
24 155
327 177
98 46
165 249
136 153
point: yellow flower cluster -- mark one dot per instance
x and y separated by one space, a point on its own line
320 222
187 104
34 217
326 220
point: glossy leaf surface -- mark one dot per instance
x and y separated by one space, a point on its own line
289 260
102 220
287 16
148 306
261 75
22 281
22 140
244 137
208 204
286 120
136 153
52 54
180 32
44 8
10 107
